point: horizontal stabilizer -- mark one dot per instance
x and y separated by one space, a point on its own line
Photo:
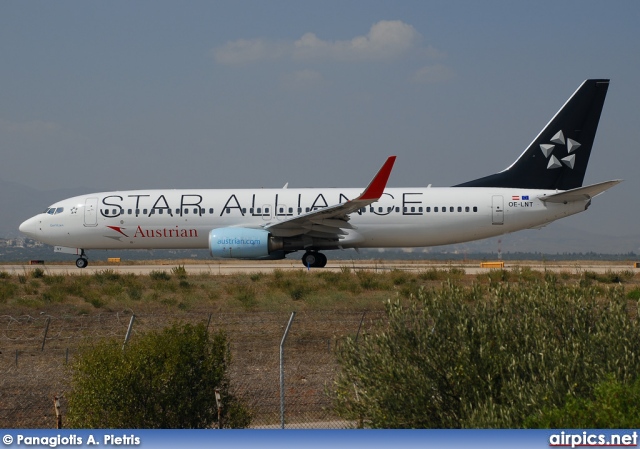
581 193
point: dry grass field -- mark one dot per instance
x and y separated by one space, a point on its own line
46 318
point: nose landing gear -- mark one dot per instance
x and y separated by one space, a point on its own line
82 261
314 259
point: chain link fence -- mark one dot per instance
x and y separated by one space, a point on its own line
35 352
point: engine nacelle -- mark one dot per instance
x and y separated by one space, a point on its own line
243 243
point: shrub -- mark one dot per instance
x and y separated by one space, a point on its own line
180 272
164 379
615 405
108 275
159 275
446 362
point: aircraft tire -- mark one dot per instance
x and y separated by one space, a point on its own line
313 259
82 262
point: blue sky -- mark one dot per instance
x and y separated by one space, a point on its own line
155 94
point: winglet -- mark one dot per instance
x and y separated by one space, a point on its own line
379 182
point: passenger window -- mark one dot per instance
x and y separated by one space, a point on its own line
444 209
428 208
211 211
291 210
451 209
435 209
244 210
466 209
266 210
259 210
475 208
129 211
195 211
160 211
404 210
144 211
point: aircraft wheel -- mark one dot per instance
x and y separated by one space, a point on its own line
81 262
314 259
309 259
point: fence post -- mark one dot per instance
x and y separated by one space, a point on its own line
209 322
219 405
284 337
56 405
126 337
360 326
46 330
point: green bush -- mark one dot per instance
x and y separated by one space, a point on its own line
180 272
159 275
614 406
486 357
164 379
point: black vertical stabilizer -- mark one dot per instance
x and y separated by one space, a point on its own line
557 158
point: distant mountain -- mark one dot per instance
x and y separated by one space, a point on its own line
555 238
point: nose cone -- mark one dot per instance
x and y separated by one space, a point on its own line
30 227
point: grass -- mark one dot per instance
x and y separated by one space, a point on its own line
279 290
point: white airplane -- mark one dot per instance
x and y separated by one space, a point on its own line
541 186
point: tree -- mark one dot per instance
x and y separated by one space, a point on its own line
486 356
165 379
614 406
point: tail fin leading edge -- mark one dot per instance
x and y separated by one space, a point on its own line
557 158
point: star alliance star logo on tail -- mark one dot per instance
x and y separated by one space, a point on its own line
558 139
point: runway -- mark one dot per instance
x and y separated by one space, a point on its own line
235 267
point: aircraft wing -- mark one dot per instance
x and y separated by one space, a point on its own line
580 194
333 222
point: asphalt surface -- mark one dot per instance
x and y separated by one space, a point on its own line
234 267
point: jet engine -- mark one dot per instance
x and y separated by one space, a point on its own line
245 243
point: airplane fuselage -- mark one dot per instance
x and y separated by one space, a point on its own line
544 184
182 219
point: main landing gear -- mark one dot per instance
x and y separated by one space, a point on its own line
314 259
82 261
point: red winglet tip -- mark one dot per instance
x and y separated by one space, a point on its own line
379 182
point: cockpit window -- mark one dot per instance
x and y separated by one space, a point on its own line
53 210
59 210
